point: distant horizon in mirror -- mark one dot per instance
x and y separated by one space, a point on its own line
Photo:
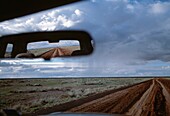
131 38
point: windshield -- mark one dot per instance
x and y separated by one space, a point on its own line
131 39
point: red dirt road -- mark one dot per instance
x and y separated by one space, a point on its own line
151 98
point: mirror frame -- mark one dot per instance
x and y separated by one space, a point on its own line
20 41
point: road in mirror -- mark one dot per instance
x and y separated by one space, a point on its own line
46 50
46 45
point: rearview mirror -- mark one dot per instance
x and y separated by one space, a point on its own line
51 44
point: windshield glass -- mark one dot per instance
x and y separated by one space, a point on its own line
126 74
131 39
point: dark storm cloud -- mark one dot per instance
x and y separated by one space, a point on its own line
129 32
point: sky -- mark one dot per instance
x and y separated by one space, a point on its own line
131 38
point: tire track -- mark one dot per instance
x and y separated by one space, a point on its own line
152 103
75 103
146 99
113 103
139 106
167 97
150 98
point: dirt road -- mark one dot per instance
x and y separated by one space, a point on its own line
151 98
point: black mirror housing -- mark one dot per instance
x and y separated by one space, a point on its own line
20 41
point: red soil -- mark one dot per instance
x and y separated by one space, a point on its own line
56 52
149 98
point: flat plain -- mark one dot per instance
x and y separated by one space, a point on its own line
33 95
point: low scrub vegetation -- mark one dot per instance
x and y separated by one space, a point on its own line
29 95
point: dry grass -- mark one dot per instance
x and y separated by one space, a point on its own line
28 95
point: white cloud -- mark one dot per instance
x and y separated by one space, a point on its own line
44 21
159 8
130 7
68 23
78 12
65 22
44 25
120 29
29 21
126 32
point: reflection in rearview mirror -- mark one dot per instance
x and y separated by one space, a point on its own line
8 50
48 50
46 45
